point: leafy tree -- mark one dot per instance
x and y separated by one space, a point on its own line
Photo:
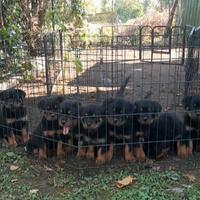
128 9
104 6
165 4
26 20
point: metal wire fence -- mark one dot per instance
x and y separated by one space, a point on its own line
162 64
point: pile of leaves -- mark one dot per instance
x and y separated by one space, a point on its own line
151 19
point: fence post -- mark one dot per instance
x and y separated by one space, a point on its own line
184 40
61 57
140 44
48 86
152 43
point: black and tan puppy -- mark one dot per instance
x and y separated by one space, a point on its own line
69 122
93 132
120 126
14 117
146 113
192 118
168 135
45 138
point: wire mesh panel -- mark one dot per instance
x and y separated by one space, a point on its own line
103 99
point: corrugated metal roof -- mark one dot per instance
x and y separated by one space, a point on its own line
188 13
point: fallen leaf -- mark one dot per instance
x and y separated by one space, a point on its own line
14 180
48 168
190 177
176 190
156 168
10 154
14 167
124 182
186 186
34 191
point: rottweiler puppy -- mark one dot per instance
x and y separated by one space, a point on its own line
120 125
146 113
168 135
93 132
14 117
46 137
192 118
69 122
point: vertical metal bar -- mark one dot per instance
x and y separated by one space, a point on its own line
183 47
152 43
140 44
46 66
170 43
61 57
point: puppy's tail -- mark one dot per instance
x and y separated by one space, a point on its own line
121 90
98 97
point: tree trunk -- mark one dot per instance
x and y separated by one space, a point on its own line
33 20
172 12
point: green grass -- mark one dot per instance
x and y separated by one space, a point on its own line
61 183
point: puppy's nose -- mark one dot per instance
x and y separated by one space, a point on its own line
89 123
145 118
63 121
115 120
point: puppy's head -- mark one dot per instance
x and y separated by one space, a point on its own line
12 98
91 116
50 107
192 105
117 110
68 115
147 111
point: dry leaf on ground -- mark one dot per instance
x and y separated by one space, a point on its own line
190 177
14 167
48 168
14 180
34 191
124 182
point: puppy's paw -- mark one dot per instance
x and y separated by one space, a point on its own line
183 151
129 155
42 154
80 154
101 159
109 154
139 154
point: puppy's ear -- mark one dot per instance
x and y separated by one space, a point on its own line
41 104
157 107
20 93
2 95
60 99
135 107
106 104
186 101
77 104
